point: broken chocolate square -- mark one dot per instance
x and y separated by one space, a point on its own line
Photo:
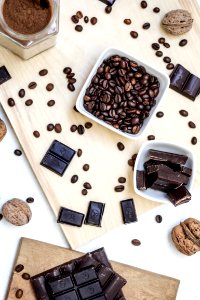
4 75
179 195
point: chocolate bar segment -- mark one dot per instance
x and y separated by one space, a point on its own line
94 213
179 195
4 75
70 217
54 164
192 87
128 211
141 180
168 156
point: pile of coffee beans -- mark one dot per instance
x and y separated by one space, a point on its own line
121 94
70 76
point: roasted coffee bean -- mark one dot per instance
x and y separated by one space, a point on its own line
43 72
136 242
49 87
21 93
158 218
191 124
131 162
1 217
119 188
75 109
143 4
183 113
87 186
170 66
120 146
32 85
121 179
51 103
166 45
67 70
151 137
134 156
108 9
74 179
71 87
75 19
161 40
159 114
146 26
79 28
18 152
73 128
167 59
86 19
93 20
86 167
156 10
50 127
79 14
36 134
183 42
30 200
194 140
26 276
155 46
81 129
88 125
11 102
134 34
29 102
72 80
159 53
79 152
84 192
58 128
19 268
19 294
127 21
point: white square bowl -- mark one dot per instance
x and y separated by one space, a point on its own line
162 77
144 156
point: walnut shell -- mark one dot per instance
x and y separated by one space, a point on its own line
3 129
17 212
177 21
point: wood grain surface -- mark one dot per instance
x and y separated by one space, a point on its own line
80 51
37 257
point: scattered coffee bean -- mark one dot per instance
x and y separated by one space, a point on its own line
136 242
84 192
75 109
86 19
183 42
58 128
155 46
156 10
166 45
26 276
29 102
161 40
170 66
19 268
71 75
79 14
194 140
71 87
121 179
151 137
79 28
50 127
75 19
1 217
21 93
19 294
88 125
67 70
158 218
131 162
86 167
11 102
119 188
51 103
93 20
167 59
87 186
108 9
81 129
74 179
120 146
191 124
43 72
143 4
72 80
134 156
49 87
146 26
30 200
79 152
159 53
73 128
183 113
127 21
32 85
134 34
159 114
18 152
36 134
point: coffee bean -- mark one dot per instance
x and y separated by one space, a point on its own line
72 80
131 162
32 85
84 192
158 218
136 242
74 179
18 152
71 87
26 276
119 188
183 113
11 102
67 70
191 124
19 294
79 14
87 186
120 146
151 137
51 103
36 134
161 40
49 87
79 152
134 156
21 93
71 75
86 19
155 46
30 200
166 45
121 179
167 59
79 28
108 9
170 66
86 167
29 102
159 53
75 19
43 72
1 217
159 114
75 109
183 42
93 20
58 128
127 21
19 268
194 140
81 129
50 127
134 34
73 128
156 10
143 4
88 125
146 26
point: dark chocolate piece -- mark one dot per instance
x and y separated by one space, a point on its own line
128 211
192 87
151 162
179 195
62 151
70 217
162 187
54 164
108 2
4 75
168 156
94 213
186 171
141 180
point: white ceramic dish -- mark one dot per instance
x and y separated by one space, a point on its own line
143 156
162 77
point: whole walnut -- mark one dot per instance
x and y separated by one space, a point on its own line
3 129
177 21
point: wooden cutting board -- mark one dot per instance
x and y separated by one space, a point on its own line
80 51
38 256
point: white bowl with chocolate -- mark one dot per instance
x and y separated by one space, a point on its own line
122 93
164 172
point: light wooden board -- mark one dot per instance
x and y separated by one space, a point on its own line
80 51
38 256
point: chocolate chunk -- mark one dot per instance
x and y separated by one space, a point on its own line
70 217
151 162
167 156
141 180
94 213
54 164
192 87
4 75
128 211
179 195
186 171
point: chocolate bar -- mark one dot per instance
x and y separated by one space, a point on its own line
70 217
94 213
108 2
166 175
179 195
141 180
186 171
4 75
152 162
58 157
168 156
192 87
128 211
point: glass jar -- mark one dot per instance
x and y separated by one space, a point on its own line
29 45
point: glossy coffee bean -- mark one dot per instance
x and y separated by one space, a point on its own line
158 218
19 294
79 152
21 93
81 129
155 46
151 137
29 102
167 59
75 19
79 28
43 72
191 124
119 188
87 186
93 20
11 102
79 14
120 146
58 128
73 128
143 4
32 85
18 152
67 70
183 113
19 268
86 19
49 87
194 140
166 45
159 53
136 242
30 200
84 192
161 40
146 26
159 114
26 276
50 127
74 179
36 134
121 179
51 103
71 87
108 9
156 10
127 21
170 66
183 42
88 125
134 34
86 167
